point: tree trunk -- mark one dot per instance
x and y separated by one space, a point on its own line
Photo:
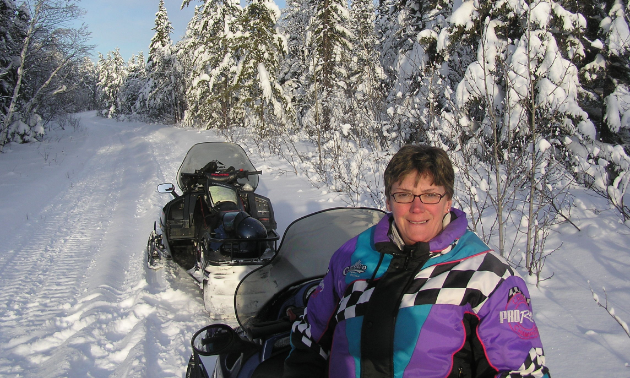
4 134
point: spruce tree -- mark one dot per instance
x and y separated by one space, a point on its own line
520 124
365 92
260 48
161 97
413 61
132 87
605 73
295 65
112 73
329 46
208 49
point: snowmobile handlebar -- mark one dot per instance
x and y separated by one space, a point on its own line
230 175
226 176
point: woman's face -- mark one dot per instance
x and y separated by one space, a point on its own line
416 221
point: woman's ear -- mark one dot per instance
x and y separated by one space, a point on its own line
389 208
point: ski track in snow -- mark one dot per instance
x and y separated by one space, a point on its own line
86 305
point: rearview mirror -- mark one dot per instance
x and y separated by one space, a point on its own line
213 339
166 188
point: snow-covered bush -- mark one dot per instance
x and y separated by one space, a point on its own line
26 132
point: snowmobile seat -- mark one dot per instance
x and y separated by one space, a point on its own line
273 367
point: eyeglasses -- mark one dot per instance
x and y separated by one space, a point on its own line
426 198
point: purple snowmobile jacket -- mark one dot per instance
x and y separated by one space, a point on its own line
447 308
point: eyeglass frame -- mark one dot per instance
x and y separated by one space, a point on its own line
393 195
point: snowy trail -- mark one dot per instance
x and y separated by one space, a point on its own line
84 305
76 298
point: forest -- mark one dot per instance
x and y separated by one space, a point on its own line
530 98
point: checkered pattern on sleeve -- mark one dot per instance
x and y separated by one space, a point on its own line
533 367
467 281
355 300
301 334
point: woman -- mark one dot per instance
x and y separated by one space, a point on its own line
417 295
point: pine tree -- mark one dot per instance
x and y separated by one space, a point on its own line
162 96
260 48
208 49
295 65
111 77
132 88
366 75
329 46
416 76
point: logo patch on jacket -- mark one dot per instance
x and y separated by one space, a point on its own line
518 315
355 269
314 292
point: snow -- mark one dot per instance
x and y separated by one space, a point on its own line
464 15
619 32
263 78
76 298
543 145
618 109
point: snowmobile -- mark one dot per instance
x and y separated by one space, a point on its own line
269 299
218 229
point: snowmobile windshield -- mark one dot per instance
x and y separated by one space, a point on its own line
304 253
225 154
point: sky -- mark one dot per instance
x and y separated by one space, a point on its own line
128 24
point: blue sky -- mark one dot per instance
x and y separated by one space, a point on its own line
127 24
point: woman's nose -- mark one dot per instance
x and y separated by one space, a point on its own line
416 205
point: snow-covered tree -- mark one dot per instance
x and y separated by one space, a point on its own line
162 96
47 48
518 113
365 93
12 32
329 44
259 48
85 95
605 78
416 77
616 54
133 85
112 73
295 21
208 56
